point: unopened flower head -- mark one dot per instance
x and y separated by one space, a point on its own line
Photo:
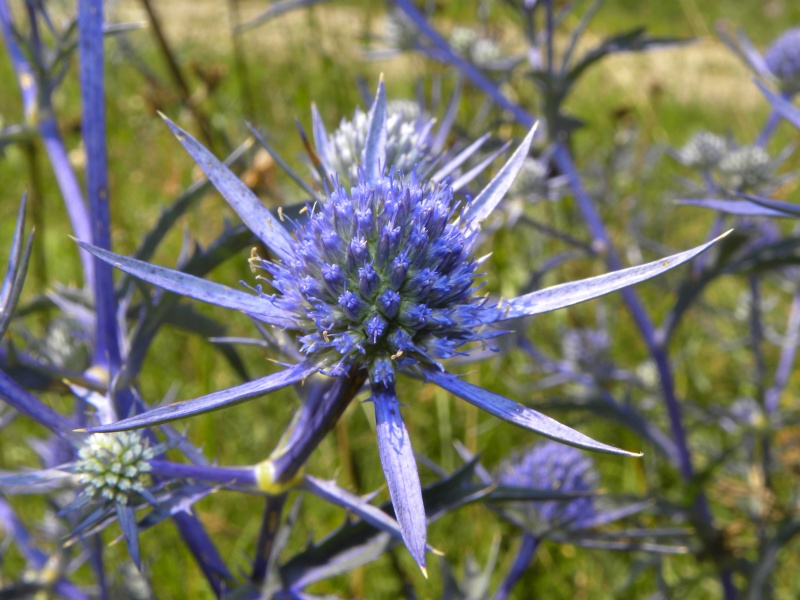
553 466
532 180
114 465
401 32
482 51
747 167
383 277
408 141
783 60
704 150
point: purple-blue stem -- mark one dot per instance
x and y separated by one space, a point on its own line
227 475
319 413
270 524
786 361
38 113
525 554
769 128
90 37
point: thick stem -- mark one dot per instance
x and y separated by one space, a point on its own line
319 413
525 555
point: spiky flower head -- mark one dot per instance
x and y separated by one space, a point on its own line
532 179
400 31
553 466
383 277
408 141
482 51
747 167
114 465
783 61
704 150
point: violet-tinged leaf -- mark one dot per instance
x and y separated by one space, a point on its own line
734 207
127 521
460 158
321 140
281 163
275 9
515 413
17 270
478 169
330 492
752 55
27 404
375 143
241 198
400 468
567 294
213 401
15 254
196 287
485 202
786 109
787 208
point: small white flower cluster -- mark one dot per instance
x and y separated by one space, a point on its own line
407 140
742 167
482 51
704 150
747 167
400 31
531 180
113 465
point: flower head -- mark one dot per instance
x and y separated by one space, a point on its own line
382 274
114 465
747 167
704 150
553 466
408 142
400 31
783 60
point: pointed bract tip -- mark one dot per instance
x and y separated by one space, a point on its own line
424 571
80 430
436 551
380 78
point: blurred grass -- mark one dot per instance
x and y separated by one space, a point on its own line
313 56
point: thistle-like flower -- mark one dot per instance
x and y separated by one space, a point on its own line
553 466
747 168
703 151
783 61
114 465
408 142
375 281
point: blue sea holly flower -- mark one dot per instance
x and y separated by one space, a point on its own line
375 281
552 466
783 61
